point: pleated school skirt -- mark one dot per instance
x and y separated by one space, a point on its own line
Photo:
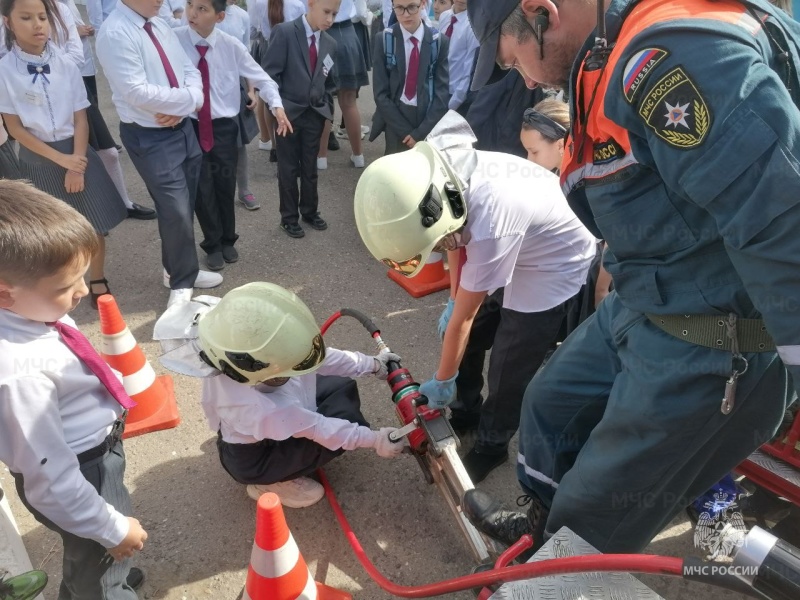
99 202
9 167
349 62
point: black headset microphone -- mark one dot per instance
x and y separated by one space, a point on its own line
540 24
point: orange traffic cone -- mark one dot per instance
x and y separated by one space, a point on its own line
277 569
432 278
154 396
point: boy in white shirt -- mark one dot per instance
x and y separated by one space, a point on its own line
284 404
527 256
454 24
61 406
221 60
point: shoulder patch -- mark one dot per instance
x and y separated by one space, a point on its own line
637 69
676 111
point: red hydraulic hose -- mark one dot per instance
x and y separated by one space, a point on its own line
330 321
630 563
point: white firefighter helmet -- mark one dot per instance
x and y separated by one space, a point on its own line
405 204
260 331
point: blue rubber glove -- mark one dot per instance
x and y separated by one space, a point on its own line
439 393
444 319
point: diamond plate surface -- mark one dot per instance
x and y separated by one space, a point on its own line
574 586
778 467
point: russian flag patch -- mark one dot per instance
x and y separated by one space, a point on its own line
637 69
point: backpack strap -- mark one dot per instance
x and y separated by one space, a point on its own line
388 48
432 65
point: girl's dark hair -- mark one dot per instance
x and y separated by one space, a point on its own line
275 12
57 26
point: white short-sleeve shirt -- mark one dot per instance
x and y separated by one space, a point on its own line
47 105
522 235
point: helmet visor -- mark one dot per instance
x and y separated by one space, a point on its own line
405 267
315 356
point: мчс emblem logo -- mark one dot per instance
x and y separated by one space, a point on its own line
676 111
720 527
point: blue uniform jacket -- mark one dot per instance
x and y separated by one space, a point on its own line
699 199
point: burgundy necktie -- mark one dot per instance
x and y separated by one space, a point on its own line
83 349
411 73
312 54
206 129
173 81
449 31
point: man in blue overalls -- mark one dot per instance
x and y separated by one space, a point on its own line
685 158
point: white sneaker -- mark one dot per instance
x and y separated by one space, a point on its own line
265 145
322 163
358 161
204 279
179 296
296 493
342 133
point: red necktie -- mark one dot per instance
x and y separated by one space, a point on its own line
83 349
411 73
173 81
312 54
449 30
206 129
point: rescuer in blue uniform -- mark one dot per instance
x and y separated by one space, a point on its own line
685 158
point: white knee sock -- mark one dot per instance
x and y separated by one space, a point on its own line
110 158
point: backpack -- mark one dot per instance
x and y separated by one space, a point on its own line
391 59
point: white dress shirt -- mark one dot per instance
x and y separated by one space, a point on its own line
522 235
52 408
98 11
246 414
88 69
292 9
138 81
461 56
309 33
68 41
228 60
45 109
167 13
347 10
236 23
256 10
408 46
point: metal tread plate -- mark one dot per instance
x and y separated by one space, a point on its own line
574 586
776 466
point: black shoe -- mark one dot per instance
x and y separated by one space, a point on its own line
135 578
293 230
333 143
491 518
141 212
316 222
463 422
480 464
93 296
273 155
230 254
215 262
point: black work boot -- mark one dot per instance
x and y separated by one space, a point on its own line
506 526
490 517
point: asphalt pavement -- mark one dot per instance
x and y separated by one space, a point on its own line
200 522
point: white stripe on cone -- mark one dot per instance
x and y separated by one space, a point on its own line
308 593
139 381
118 343
275 563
